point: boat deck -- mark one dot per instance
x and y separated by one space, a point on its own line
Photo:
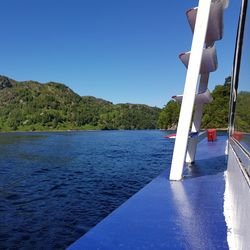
170 215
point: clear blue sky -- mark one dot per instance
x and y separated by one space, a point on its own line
119 50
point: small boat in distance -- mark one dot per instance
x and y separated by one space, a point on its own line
173 136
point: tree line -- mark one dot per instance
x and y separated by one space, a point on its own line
32 106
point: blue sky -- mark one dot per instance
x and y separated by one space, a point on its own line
118 50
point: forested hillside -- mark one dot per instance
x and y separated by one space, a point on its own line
30 106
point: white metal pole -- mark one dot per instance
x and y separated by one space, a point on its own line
190 89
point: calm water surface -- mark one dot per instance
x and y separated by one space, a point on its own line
55 186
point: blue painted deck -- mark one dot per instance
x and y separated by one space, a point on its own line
170 215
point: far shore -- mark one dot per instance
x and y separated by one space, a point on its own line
93 130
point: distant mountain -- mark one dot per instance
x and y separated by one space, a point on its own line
31 106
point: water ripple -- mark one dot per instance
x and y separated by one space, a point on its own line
55 186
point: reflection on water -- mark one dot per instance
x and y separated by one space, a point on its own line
55 186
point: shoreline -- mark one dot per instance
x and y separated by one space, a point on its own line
93 130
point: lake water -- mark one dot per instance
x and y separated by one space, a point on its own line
55 186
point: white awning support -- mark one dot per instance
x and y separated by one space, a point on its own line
207 23
189 90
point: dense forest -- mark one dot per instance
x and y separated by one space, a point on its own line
32 106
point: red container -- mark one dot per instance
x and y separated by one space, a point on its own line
211 134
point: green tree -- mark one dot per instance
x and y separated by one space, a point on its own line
169 116
216 113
